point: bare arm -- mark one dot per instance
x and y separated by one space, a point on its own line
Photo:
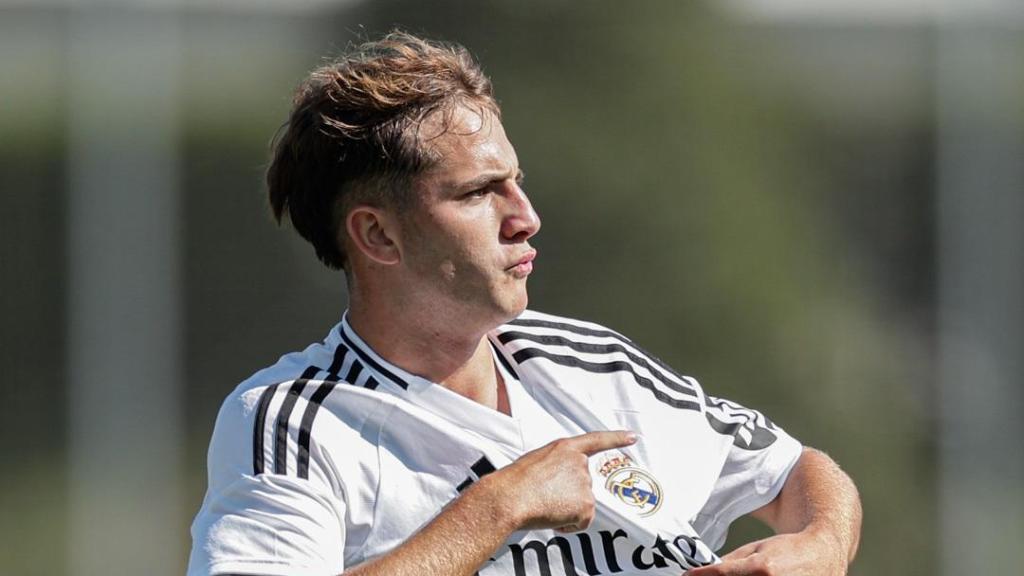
816 518
457 541
818 497
547 488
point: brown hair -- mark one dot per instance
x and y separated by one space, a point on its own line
352 134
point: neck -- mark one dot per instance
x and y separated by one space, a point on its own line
442 352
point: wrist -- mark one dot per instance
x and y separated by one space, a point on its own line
499 505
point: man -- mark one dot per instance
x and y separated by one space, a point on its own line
442 429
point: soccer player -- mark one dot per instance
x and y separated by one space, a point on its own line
441 428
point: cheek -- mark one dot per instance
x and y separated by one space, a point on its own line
448 258
455 247
465 239
448 270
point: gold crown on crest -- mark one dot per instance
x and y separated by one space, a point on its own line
615 463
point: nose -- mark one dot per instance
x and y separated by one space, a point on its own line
521 221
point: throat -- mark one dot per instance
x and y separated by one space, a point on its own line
503 405
481 381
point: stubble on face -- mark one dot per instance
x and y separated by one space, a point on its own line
454 246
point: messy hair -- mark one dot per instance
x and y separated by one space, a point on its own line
352 136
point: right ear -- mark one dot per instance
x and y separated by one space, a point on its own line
375 234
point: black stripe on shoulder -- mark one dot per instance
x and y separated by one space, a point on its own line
504 361
534 323
317 399
590 348
284 414
606 368
750 429
373 363
598 332
306 427
257 431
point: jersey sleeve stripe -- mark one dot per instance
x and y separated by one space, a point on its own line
750 429
282 429
284 415
535 323
605 368
605 333
682 387
257 434
306 427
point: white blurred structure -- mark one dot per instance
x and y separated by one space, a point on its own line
979 108
980 187
881 12
125 304
125 308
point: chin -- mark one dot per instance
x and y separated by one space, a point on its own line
496 307
516 307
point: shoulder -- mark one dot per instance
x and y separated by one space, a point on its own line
535 334
251 400
559 349
290 418
294 449
532 321
534 330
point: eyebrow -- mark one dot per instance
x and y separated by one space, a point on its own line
485 179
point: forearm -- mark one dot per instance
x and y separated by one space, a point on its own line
819 499
549 487
455 543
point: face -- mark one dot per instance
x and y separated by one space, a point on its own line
465 243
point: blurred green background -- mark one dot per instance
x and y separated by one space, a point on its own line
814 212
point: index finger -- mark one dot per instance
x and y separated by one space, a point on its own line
593 442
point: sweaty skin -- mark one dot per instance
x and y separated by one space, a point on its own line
432 281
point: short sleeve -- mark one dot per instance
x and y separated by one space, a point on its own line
259 516
756 466
269 525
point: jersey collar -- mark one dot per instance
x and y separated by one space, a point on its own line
374 362
434 397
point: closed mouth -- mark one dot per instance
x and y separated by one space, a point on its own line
525 259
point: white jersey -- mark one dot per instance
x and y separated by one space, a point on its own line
334 455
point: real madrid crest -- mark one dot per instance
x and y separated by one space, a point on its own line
630 484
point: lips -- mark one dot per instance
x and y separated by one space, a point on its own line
524 265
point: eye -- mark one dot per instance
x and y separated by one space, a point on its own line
478 193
